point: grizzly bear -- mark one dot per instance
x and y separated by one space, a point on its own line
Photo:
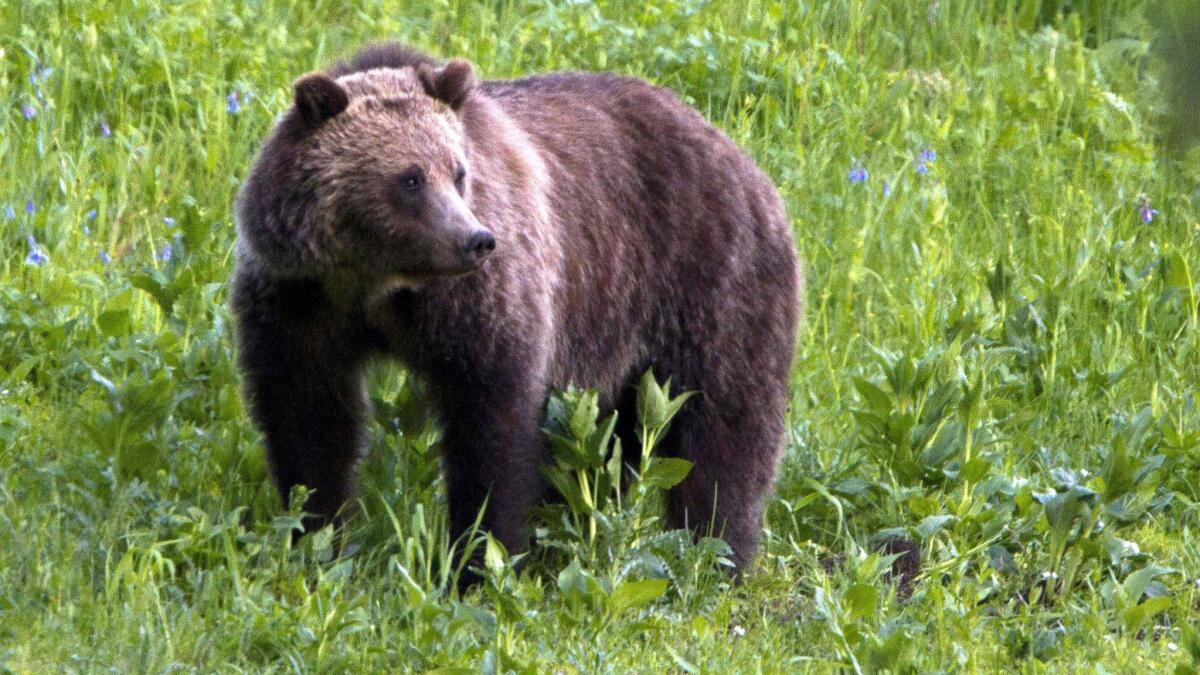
502 239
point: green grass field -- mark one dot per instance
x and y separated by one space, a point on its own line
1000 359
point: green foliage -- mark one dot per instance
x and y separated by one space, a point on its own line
609 525
999 361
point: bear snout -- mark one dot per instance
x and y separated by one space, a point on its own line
477 246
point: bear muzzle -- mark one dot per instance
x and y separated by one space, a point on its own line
477 246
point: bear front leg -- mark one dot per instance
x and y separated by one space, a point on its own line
304 390
491 448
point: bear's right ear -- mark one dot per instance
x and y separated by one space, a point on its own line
319 97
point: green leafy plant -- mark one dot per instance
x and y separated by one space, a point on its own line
609 525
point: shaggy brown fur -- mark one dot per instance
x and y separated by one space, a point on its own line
628 233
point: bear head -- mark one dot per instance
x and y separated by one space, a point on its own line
368 173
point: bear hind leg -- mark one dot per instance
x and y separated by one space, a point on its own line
734 455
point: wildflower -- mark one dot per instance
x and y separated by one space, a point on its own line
105 131
104 257
28 112
170 222
36 256
857 175
91 215
922 168
738 630
1145 212
9 213
232 104
927 155
40 74
165 253
887 189
29 207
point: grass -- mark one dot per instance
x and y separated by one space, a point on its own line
1000 359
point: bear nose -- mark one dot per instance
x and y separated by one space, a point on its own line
479 245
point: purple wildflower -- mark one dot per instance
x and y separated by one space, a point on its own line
928 155
36 256
165 253
1145 211
28 112
29 207
887 189
232 105
9 213
922 168
105 131
104 257
857 175
170 222
91 215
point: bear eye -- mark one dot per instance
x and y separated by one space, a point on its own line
411 180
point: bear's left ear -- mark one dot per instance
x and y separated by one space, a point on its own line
451 84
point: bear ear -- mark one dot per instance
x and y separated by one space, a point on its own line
319 97
451 84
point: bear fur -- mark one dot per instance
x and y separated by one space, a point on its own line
628 234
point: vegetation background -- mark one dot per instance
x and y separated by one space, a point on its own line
1000 357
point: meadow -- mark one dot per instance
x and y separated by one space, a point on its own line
999 362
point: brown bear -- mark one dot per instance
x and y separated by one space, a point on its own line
502 239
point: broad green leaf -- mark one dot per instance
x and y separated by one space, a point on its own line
666 472
1134 617
876 398
862 599
494 555
631 594
651 402
1136 583
930 525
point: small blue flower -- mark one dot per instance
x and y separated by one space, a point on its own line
91 215
922 168
104 257
231 102
1145 212
28 112
887 189
40 73
857 175
87 231
928 155
29 207
170 222
9 213
36 255
165 253
105 131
